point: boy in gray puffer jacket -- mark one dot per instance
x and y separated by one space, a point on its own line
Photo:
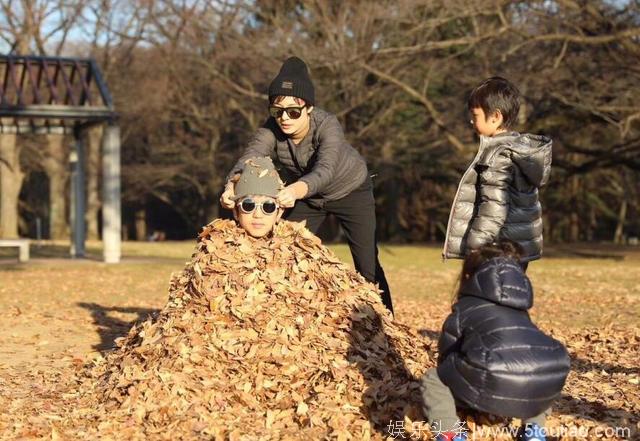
497 197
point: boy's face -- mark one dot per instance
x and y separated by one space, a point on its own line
289 125
257 214
486 125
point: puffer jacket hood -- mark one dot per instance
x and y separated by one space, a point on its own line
532 155
500 281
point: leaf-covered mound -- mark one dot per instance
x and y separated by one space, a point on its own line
58 398
271 337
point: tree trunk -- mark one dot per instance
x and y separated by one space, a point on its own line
387 175
94 141
215 183
574 227
433 231
10 183
547 231
593 224
55 166
574 218
212 210
141 224
622 215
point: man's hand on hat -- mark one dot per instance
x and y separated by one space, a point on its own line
226 200
287 197
290 194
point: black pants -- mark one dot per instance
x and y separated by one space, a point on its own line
356 213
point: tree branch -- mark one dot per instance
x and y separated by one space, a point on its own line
459 145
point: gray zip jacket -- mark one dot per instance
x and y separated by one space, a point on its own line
324 160
497 197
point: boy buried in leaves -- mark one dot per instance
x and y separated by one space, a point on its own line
256 190
264 332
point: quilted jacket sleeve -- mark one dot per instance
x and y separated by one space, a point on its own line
493 207
451 336
331 141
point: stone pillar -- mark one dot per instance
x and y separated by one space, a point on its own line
111 208
11 178
78 225
92 137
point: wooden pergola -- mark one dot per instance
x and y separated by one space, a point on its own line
53 94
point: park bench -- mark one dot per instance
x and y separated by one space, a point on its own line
22 244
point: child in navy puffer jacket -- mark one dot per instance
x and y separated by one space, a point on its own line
492 357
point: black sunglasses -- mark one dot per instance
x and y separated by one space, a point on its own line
249 205
292 112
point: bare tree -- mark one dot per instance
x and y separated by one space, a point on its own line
396 73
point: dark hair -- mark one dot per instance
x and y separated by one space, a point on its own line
277 98
475 258
497 93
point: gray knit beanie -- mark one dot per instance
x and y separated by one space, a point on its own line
259 178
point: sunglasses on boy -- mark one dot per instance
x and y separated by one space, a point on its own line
248 205
292 112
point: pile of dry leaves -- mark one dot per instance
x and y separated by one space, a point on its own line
272 338
275 338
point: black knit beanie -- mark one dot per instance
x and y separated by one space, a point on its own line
293 80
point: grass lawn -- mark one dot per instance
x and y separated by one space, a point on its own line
51 293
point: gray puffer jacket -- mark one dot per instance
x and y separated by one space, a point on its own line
324 159
497 197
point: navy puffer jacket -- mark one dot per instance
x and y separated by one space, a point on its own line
492 356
